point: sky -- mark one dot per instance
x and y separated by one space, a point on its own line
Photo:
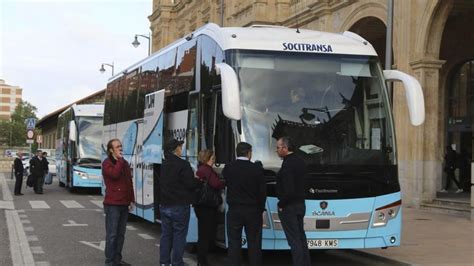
54 49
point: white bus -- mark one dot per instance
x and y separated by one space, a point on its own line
219 86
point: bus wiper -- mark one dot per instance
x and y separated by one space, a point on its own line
88 160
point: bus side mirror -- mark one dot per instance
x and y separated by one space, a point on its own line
72 131
230 91
414 93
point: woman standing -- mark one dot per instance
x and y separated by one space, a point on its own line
207 216
119 200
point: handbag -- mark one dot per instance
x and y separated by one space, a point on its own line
206 196
30 181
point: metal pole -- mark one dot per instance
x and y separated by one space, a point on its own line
149 43
222 13
388 44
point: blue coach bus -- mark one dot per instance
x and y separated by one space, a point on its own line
218 86
78 147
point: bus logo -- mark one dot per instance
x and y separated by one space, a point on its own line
323 205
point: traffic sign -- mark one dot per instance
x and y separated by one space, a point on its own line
29 141
30 134
39 139
30 123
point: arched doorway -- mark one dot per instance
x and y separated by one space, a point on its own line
457 76
374 31
460 119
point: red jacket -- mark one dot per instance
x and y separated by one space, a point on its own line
118 182
205 172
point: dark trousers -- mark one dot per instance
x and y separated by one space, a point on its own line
18 182
249 219
207 225
116 217
292 221
451 177
39 182
174 228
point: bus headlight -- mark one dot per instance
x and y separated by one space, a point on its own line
81 174
386 213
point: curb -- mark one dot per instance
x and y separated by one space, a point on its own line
377 257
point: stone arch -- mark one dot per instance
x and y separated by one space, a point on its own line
371 9
429 36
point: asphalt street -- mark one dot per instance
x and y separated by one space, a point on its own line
64 228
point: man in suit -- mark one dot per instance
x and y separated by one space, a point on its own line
290 190
38 168
246 195
18 167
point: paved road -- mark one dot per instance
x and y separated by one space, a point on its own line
63 228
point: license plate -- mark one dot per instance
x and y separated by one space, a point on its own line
322 243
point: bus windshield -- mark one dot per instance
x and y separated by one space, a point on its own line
334 107
90 138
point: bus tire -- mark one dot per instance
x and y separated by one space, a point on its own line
61 184
191 248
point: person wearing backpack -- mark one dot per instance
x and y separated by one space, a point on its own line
207 215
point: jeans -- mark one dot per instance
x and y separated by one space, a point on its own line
293 225
116 217
174 228
250 219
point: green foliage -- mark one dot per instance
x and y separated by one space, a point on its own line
13 132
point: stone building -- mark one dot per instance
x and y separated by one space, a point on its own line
432 40
10 96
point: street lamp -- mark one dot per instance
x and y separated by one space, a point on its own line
136 43
102 69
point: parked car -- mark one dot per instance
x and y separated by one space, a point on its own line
52 165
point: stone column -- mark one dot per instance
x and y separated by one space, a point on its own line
427 71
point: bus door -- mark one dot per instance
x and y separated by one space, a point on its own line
150 153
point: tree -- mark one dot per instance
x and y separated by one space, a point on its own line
13 132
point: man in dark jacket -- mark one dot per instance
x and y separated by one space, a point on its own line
18 167
177 184
290 190
38 168
246 195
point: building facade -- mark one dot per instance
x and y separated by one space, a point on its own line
431 41
10 96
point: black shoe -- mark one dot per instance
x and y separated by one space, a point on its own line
19 194
124 263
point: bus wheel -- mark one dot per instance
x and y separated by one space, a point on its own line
61 184
191 248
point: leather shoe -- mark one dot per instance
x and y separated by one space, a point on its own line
19 194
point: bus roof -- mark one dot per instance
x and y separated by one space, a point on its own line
96 110
273 38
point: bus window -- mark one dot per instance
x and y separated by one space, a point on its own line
192 136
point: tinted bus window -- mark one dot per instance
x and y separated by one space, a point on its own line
185 67
148 84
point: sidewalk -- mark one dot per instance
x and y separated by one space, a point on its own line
432 239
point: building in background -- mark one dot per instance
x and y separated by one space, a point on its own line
432 40
48 123
10 96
